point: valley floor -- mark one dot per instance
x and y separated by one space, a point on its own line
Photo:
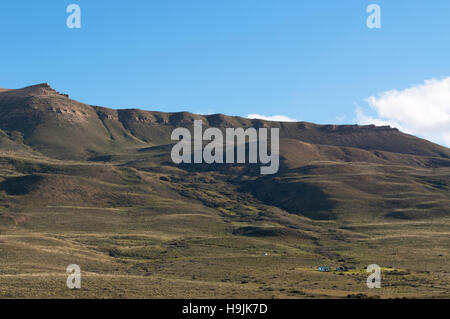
141 263
141 229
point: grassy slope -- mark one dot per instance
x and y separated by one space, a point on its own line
141 227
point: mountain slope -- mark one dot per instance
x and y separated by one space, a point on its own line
96 187
62 128
326 171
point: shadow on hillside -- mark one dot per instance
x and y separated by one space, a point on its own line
20 185
293 196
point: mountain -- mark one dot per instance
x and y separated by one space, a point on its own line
59 127
101 183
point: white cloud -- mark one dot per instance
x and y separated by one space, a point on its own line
340 118
422 110
275 118
365 119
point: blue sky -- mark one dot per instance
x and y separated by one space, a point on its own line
309 60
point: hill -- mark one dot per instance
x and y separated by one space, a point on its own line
96 187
